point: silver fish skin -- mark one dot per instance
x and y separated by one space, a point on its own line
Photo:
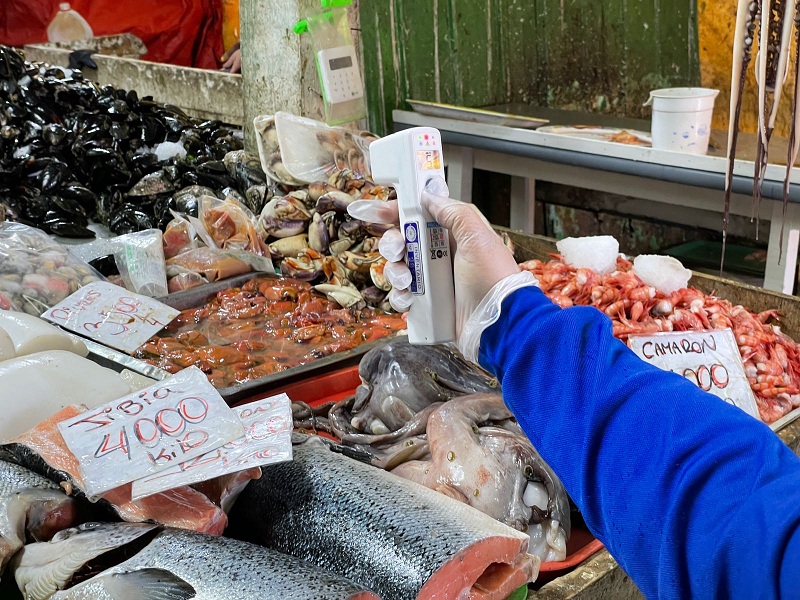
394 536
195 565
32 505
42 569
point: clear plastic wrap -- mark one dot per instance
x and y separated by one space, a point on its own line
312 151
212 263
140 259
179 236
231 225
37 272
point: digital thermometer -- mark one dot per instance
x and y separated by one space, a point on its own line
408 160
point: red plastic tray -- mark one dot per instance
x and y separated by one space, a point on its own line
337 385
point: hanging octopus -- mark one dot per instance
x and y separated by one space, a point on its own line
772 21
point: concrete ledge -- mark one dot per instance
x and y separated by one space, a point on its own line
202 93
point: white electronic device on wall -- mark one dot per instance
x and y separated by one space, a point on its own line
408 160
337 64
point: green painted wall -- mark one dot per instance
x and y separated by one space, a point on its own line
593 55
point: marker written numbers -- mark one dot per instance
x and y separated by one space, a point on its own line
710 360
111 315
267 440
172 421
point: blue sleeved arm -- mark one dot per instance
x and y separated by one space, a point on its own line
693 497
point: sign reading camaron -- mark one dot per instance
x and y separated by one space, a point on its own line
711 360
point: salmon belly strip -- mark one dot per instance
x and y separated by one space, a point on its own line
181 507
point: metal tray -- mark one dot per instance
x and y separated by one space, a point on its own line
118 361
475 115
264 385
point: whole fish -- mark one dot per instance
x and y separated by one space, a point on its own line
391 535
400 379
30 506
168 564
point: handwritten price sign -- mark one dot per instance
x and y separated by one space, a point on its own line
711 360
111 315
170 422
267 439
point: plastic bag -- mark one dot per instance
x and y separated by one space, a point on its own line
309 150
140 258
231 225
179 236
212 263
37 272
184 280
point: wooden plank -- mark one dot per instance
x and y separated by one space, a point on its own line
416 34
473 40
381 75
447 59
520 51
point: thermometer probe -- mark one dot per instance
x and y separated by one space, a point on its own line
408 160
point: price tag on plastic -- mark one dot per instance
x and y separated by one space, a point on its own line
111 315
267 439
710 360
151 430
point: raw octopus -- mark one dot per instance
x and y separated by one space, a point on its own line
266 326
428 415
771 359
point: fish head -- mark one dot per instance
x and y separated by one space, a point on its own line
74 554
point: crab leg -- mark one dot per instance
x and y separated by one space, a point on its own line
742 52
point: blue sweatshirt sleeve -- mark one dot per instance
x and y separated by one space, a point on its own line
693 497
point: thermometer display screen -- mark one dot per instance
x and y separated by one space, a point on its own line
429 160
340 63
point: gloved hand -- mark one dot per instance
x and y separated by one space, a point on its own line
484 270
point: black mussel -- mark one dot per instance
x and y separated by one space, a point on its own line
108 203
132 98
53 175
120 130
54 134
171 172
229 192
12 65
129 219
8 132
152 130
119 110
68 205
256 197
374 296
145 162
69 229
30 130
84 196
105 265
152 184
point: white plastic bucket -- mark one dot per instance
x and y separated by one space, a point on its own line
682 118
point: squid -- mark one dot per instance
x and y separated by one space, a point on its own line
772 21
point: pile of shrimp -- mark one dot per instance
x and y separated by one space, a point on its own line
771 359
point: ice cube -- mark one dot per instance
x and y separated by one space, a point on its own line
596 252
664 273
167 150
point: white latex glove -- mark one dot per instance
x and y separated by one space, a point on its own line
484 270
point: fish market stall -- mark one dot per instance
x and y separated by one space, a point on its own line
193 451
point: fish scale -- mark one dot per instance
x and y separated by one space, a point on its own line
386 533
220 568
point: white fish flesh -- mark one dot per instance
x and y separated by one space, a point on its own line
36 386
31 334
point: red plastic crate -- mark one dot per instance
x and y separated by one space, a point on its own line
337 385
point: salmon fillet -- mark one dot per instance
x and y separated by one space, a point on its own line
182 507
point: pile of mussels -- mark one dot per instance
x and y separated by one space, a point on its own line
73 152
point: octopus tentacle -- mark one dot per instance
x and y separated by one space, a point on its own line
747 11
